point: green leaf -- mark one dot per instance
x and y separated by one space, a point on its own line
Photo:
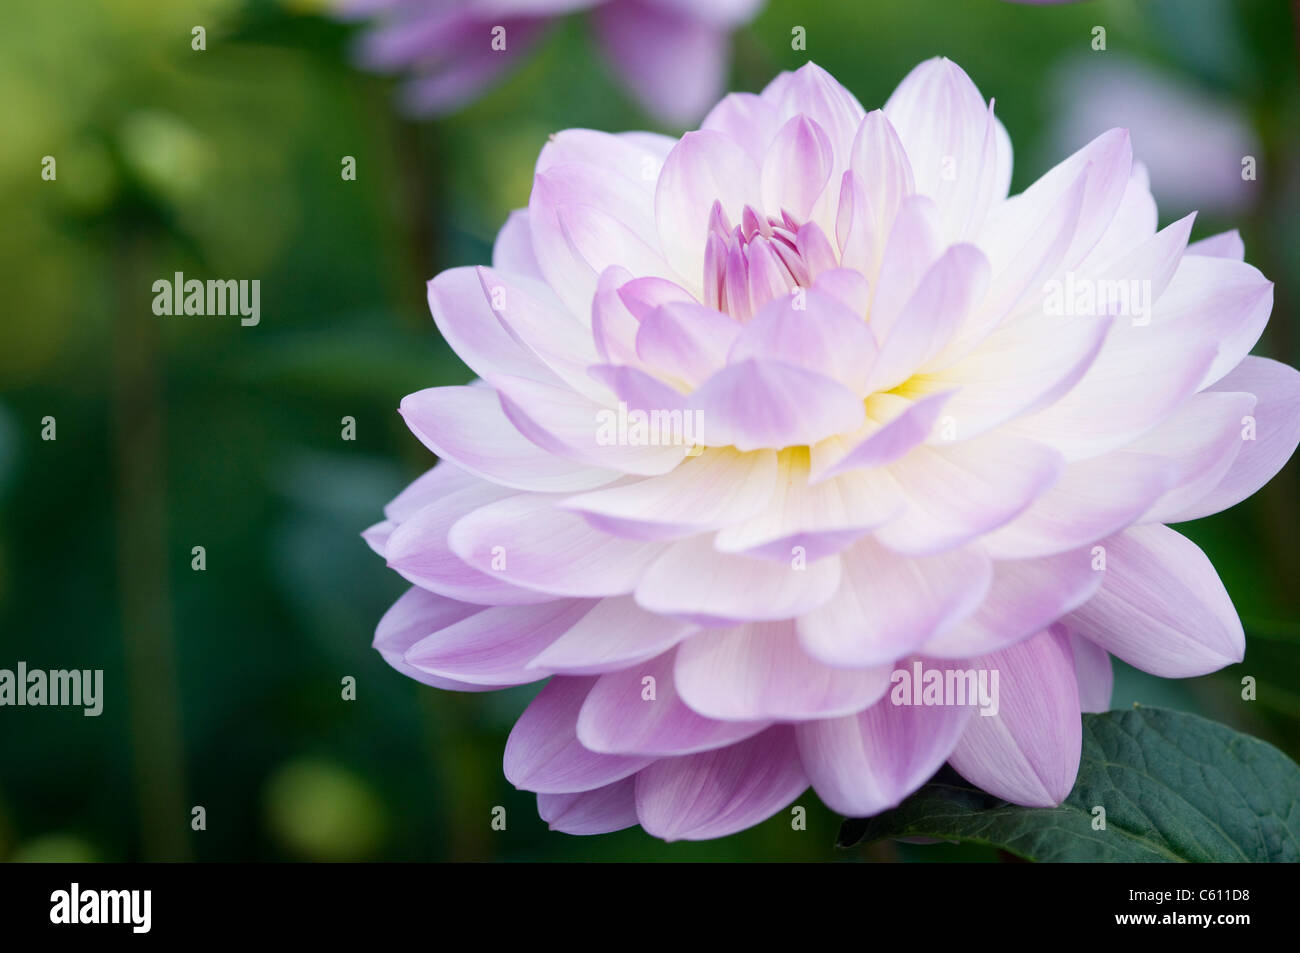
1175 788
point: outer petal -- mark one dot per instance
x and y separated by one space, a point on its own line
1202 441
528 542
615 634
612 174
869 762
466 321
623 716
1276 433
467 426
1223 245
532 315
418 549
432 485
573 426
543 753
1215 301
1103 167
495 645
599 811
811 91
412 617
1161 606
1028 753
1095 676
1124 394
512 251
702 796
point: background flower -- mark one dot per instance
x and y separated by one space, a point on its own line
920 441
1163 115
671 54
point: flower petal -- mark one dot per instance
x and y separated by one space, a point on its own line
817 332
1276 432
418 550
614 634
1161 606
704 167
716 793
720 487
755 404
947 129
760 671
796 169
1092 499
1095 675
495 645
467 426
955 492
624 714
887 605
599 811
1025 597
812 521
1028 753
417 614
527 541
543 753
692 580
869 762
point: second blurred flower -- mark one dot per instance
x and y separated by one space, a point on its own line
672 54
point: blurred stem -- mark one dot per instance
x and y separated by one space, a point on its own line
417 172
1277 512
142 565
458 761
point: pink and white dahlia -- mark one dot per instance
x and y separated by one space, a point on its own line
672 54
776 417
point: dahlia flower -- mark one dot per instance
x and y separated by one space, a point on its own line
773 416
672 54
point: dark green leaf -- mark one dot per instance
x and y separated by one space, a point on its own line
1175 787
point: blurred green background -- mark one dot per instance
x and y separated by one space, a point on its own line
222 687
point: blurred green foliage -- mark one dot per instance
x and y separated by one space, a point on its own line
223 686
